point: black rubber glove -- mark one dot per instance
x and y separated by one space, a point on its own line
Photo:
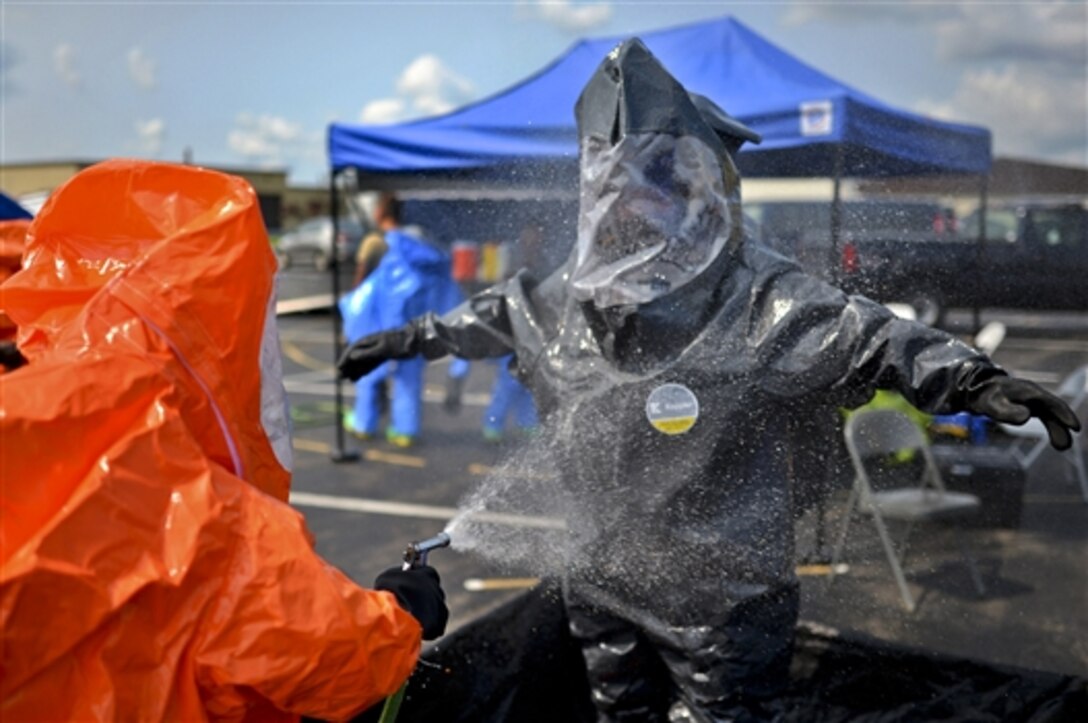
454 387
419 591
1014 401
370 352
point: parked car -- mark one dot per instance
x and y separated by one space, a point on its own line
1034 256
312 242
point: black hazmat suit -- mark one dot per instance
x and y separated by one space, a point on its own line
688 377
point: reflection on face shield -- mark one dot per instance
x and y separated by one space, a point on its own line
655 212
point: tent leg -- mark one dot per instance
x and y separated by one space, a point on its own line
980 246
835 262
339 453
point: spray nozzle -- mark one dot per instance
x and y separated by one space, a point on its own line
416 553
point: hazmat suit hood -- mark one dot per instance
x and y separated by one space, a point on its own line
660 195
140 255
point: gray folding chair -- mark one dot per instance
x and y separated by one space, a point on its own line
872 438
1033 440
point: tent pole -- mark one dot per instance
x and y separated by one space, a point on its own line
339 453
836 218
980 244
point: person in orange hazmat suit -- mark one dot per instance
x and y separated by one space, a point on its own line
150 566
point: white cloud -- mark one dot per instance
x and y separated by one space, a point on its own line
427 77
64 62
150 134
270 141
425 87
803 12
571 17
384 110
9 58
1054 33
248 143
1031 112
1022 67
141 69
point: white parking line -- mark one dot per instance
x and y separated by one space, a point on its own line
1037 377
305 303
371 455
1036 344
378 507
301 384
428 512
315 375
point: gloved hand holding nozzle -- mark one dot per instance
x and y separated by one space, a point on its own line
418 588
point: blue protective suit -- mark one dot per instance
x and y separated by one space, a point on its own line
508 396
412 278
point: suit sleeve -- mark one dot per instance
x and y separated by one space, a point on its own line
812 336
479 328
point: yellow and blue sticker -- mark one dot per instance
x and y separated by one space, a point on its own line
672 409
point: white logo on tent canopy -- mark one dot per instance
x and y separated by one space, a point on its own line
816 118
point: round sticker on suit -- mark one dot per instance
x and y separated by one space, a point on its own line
672 409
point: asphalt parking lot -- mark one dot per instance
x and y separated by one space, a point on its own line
1033 614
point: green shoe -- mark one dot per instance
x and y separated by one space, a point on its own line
404 441
492 435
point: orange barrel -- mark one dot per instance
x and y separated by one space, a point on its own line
466 257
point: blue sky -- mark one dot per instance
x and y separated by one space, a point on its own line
255 84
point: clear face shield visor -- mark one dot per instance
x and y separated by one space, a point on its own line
656 210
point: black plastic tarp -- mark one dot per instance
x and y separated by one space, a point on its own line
518 664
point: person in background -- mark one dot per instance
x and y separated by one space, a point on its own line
372 396
373 247
509 398
411 278
150 565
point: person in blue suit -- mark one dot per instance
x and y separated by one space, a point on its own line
412 278
508 398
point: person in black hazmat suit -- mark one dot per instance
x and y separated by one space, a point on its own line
713 364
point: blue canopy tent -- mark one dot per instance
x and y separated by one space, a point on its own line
11 210
525 137
812 125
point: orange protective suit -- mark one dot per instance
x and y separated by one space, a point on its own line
151 567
